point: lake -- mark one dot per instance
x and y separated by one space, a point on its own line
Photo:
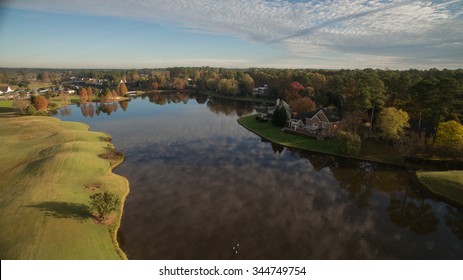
203 187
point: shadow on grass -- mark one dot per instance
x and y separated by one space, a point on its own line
64 210
6 110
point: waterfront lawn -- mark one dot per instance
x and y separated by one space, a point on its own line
46 169
371 150
448 184
274 134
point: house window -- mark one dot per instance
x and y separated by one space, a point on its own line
315 125
325 125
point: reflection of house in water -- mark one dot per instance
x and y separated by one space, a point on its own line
277 148
318 161
321 124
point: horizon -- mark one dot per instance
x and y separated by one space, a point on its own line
278 34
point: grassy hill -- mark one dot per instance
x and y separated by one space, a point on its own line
48 170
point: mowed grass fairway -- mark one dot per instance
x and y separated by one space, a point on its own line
46 166
448 184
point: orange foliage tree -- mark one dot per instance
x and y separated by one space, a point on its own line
302 105
122 89
83 95
89 94
40 103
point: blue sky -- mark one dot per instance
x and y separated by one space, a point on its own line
225 33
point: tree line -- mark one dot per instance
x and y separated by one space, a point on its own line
428 97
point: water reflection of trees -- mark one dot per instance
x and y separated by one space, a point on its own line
454 219
90 109
216 105
124 105
229 107
412 212
358 182
65 111
407 207
162 98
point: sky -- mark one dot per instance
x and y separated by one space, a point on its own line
332 34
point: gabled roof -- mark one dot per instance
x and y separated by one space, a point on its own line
5 89
330 114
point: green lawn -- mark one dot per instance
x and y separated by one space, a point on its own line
448 184
274 134
371 150
45 167
6 108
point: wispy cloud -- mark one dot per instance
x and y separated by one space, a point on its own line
386 31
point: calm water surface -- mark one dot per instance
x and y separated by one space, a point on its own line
200 184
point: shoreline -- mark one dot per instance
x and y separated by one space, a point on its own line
445 188
316 151
237 98
114 231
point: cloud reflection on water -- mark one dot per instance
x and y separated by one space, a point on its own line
200 184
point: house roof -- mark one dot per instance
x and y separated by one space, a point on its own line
5 88
330 114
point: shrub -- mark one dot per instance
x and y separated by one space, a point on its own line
104 204
30 110
350 143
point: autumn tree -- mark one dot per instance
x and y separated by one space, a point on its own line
83 95
246 83
121 89
302 105
449 137
105 95
114 94
296 87
40 103
228 86
109 95
392 123
180 83
89 94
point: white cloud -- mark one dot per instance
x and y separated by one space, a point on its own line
392 31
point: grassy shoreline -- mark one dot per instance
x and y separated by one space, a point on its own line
46 168
330 147
445 185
